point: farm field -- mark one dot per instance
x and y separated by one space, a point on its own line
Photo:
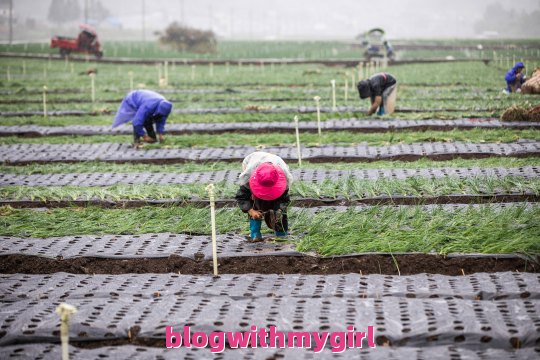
423 224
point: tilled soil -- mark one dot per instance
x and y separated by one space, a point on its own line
406 264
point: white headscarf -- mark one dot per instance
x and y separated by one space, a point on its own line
253 160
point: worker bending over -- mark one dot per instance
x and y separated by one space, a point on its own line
144 108
515 77
382 89
264 193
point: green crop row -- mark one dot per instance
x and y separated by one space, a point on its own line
350 188
30 75
342 138
297 49
482 229
96 166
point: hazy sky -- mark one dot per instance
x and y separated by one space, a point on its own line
304 19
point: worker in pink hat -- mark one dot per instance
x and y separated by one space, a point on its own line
264 193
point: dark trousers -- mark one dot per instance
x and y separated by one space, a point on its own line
149 127
269 209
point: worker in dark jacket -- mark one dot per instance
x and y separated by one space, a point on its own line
382 89
515 77
264 193
144 108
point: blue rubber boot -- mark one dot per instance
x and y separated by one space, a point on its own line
381 110
281 234
255 229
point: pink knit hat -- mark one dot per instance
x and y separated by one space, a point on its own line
268 182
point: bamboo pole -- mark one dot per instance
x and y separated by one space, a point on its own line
130 75
44 101
93 86
298 141
346 89
210 188
318 105
333 82
65 311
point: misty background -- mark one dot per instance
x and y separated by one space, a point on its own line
276 19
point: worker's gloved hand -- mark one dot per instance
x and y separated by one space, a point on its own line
255 214
161 138
148 139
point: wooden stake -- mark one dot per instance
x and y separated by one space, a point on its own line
210 189
211 70
333 82
65 311
317 104
93 86
72 68
44 101
346 88
166 72
130 74
298 141
193 72
227 70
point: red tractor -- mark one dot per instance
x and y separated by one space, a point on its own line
87 42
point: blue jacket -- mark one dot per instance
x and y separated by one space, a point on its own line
511 77
140 106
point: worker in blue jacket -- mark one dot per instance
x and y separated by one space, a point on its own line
515 77
144 108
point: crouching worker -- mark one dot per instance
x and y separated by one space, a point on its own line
382 89
515 77
264 193
144 108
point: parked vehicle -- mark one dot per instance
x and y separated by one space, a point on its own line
376 45
86 42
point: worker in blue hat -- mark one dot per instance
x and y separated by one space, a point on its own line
515 77
145 109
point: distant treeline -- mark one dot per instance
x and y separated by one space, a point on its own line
510 22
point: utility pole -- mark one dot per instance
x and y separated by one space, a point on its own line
182 12
10 21
250 17
231 21
210 17
143 21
